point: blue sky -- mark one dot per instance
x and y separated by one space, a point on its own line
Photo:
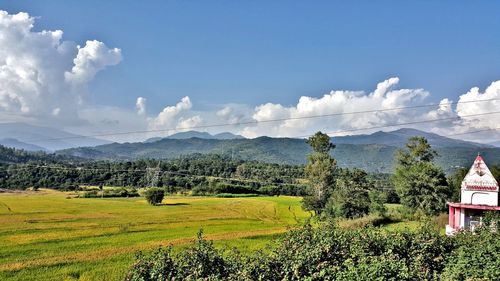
275 51
255 52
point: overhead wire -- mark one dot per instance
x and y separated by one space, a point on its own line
29 166
260 121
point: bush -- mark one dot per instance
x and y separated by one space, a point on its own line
109 193
154 195
327 252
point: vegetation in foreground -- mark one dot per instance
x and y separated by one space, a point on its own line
331 253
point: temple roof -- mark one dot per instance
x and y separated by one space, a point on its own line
479 177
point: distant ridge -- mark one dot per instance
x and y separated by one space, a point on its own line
48 138
399 138
196 134
495 143
373 153
14 143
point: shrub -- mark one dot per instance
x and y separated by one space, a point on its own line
154 195
327 252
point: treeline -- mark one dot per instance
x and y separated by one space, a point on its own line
330 253
418 183
13 156
200 174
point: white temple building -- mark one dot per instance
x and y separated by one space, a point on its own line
479 194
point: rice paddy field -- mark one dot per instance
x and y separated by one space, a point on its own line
50 235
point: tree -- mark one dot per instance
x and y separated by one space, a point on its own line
319 171
154 195
420 184
455 182
351 197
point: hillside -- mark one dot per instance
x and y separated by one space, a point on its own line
14 143
399 137
372 157
44 137
196 134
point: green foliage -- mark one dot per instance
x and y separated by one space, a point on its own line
350 199
455 183
108 193
154 195
421 185
320 172
377 202
200 261
320 143
477 257
327 252
206 173
157 265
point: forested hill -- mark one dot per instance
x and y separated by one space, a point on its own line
369 157
14 156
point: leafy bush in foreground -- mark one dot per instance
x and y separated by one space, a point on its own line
331 253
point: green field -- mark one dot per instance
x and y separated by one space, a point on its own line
49 235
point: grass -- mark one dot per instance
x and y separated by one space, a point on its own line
49 235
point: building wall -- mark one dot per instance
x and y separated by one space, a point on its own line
479 197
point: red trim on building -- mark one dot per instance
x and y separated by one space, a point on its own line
479 187
451 218
476 207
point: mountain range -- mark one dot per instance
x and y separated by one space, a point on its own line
200 135
34 138
373 152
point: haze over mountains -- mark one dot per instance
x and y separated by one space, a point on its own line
33 138
200 135
373 152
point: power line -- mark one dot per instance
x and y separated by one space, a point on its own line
177 173
410 123
258 122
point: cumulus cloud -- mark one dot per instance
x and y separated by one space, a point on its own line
41 76
336 102
92 58
189 123
464 107
169 115
140 105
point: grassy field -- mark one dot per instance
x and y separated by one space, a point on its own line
49 235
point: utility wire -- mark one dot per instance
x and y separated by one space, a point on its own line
258 122
410 123
177 173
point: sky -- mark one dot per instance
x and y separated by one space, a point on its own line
113 66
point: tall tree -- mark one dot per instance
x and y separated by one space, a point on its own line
320 172
420 184
351 197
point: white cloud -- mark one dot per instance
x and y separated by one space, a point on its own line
188 123
140 106
92 58
44 79
41 76
336 102
465 108
168 116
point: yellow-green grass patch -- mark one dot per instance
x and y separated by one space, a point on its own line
49 235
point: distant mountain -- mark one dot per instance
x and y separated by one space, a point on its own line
399 138
495 143
227 136
365 154
45 137
13 143
196 134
